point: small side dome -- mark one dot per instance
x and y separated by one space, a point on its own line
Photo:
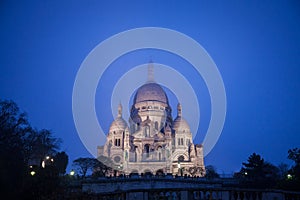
119 124
179 123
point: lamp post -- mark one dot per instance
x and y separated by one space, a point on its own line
32 173
48 160
72 172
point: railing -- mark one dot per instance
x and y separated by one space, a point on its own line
171 187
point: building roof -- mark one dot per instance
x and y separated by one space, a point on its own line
119 123
150 92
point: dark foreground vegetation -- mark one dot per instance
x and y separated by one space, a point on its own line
30 161
32 167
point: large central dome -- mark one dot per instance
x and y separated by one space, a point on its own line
150 92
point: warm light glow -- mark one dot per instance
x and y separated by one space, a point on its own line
52 160
43 164
246 173
47 157
72 173
289 176
32 173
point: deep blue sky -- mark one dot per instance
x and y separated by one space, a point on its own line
256 46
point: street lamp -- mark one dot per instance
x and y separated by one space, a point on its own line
72 172
32 173
47 160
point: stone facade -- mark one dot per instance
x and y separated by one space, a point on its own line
152 141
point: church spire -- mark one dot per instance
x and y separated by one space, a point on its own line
120 110
150 72
179 108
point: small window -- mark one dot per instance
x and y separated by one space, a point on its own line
117 142
147 149
181 158
156 125
147 131
117 159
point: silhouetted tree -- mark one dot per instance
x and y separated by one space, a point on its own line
211 172
83 165
294 154
13 127
254 167
291 177
19 145
43 144
103 166
283 170
259 173
61 160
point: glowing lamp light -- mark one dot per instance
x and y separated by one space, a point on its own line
72 173
47 157
32 173
289 176
43 164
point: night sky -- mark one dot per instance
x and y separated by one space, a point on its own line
255 45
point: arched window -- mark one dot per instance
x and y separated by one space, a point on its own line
156 125
135 153
147 149
147 131
181 158
159 149
117 142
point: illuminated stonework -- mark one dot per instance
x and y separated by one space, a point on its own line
153 141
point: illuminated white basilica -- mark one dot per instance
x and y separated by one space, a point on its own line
152 141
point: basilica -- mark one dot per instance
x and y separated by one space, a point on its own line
151 140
